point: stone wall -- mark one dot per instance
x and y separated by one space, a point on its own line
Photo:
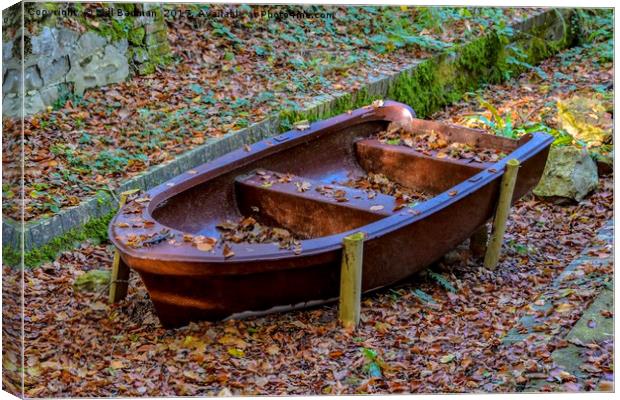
92 51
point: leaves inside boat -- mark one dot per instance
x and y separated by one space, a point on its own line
248 230
435 145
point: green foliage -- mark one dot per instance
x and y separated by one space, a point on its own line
109 161
441 280
424 297
372 363
595 25
498 124
501 125
519 248
562 138
222 30
65 94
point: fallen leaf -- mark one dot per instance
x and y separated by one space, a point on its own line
447 358
117 364
227 251
302 125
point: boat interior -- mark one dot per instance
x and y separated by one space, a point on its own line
304 189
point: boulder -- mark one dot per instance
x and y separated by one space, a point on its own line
570 173
93 281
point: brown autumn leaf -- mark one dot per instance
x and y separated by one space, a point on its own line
227 251
206 245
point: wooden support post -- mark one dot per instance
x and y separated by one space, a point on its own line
351 280
501 214
478 241
120 272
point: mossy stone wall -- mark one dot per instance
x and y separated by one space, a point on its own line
70 47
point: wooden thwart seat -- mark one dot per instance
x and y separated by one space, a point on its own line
413 169
307 207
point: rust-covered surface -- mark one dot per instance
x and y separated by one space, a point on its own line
186 283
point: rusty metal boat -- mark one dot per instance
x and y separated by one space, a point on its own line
209 278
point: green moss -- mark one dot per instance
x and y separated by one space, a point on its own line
146 68
422 88
128 7
95 229
136 36
339 105
10 256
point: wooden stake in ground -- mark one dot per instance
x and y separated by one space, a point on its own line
351 280
120 272
501 214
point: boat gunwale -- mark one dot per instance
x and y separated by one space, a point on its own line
527 147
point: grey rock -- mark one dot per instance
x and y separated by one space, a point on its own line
151 6
115 63
11 233
11 82
71 218
54 70
45 44
29 61
122 46
90 42
33 103
144 21
7 51
32 80
98 69
569 173
67 40
49 95
11 105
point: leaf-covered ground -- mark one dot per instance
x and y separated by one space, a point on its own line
441 331
227 74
